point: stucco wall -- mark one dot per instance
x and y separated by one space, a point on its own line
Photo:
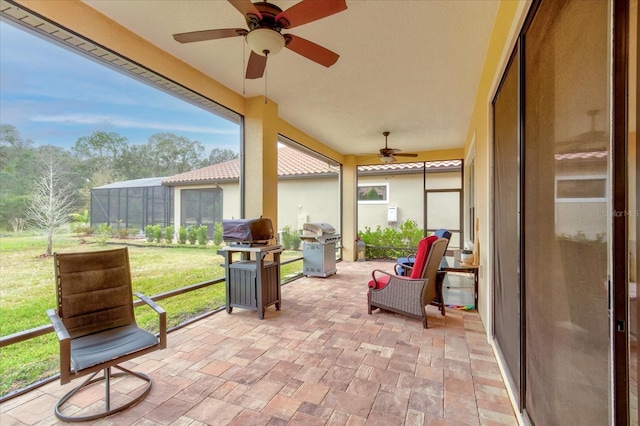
406 193
316 199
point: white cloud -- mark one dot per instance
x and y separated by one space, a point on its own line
119 122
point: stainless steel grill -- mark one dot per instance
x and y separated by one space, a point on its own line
319 251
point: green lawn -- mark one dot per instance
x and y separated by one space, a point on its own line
27 290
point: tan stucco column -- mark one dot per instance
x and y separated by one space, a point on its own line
349 207
261 159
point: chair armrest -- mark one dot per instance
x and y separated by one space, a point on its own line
380 271
64 340
406 269
58 326
162 314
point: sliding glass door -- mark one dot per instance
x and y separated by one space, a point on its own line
563 294
506 224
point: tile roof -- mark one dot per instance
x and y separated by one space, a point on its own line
293 162
410 166
229 170
581 155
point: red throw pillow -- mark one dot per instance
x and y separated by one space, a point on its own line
424 246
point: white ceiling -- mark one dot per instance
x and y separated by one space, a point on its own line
408 66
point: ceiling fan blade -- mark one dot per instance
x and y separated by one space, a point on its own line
246 7
308 11
310 50
255 67
209 35
405 155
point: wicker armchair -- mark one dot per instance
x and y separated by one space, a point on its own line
410 295
404 264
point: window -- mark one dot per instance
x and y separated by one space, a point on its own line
376 193
581 188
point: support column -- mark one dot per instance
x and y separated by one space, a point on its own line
349 207
261 160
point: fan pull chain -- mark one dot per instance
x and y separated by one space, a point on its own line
244 65
266 73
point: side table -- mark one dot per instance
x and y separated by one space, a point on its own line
451 264
252 283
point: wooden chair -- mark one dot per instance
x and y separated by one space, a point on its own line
410 295
96 326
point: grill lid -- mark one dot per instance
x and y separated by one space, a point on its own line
314 230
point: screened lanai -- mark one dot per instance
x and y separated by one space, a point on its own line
132 204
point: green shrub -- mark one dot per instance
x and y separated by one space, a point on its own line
202 232
102 234
408 236
168 234
149 233
81 229
217 233
285 236
192 234
157 233
295 241
80 224
122 233
410 233
290 238
182 235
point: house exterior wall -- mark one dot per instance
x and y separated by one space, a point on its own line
508 22
316 200
406 193
230 201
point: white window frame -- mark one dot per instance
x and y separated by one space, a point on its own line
384 184
582 199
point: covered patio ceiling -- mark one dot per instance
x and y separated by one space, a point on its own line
409 67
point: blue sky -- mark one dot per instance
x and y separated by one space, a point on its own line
55 96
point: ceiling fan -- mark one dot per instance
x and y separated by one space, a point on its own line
266 22
388 155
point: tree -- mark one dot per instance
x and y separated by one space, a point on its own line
100 160
219 155
100 147
171 154
16 175
51 204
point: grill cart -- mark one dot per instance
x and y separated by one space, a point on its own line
319 251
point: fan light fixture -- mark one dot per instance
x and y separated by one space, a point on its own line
265 41
388 159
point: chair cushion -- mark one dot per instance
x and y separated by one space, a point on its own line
421 256
402 262
379 282
94 349
443 233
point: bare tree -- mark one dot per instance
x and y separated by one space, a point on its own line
51 203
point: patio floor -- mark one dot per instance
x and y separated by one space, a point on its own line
320 360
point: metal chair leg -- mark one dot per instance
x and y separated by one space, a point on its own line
107 379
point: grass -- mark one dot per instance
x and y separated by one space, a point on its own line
27 290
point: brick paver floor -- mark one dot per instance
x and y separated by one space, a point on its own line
320 360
